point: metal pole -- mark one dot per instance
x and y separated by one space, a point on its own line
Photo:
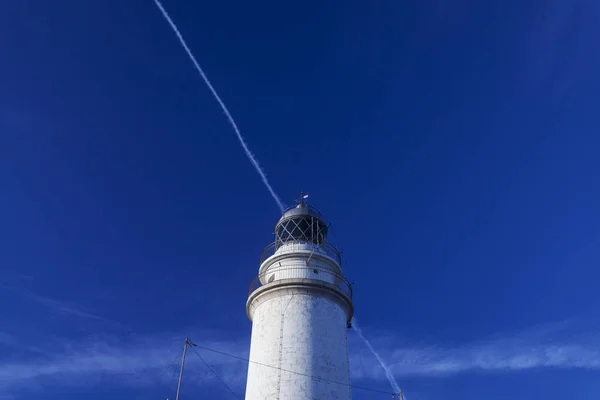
182 364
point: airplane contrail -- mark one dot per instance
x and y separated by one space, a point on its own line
225 110
385 367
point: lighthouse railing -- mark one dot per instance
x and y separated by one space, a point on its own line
318 275
295 245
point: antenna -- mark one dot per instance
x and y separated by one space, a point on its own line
185 346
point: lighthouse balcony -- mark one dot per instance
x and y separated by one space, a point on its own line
301 247
302 274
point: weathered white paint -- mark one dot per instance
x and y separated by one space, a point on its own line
299 317
302 332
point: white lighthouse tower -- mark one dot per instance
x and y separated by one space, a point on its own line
300 307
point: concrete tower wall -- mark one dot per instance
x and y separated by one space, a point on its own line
302 330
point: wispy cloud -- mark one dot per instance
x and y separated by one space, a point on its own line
9 340
519 352
55 305
133 362
141 361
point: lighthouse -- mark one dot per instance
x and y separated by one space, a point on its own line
300 306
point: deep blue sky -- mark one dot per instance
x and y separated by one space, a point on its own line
453 146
